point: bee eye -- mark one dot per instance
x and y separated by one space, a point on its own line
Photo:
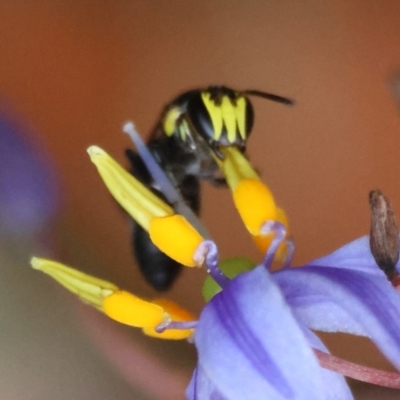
200 117
225 120
249 118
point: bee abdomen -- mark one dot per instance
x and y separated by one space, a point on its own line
158 269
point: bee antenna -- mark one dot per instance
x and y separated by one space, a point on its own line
270 96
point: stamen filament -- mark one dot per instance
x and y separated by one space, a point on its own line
264 241
280 232
176 325
207 253
289 253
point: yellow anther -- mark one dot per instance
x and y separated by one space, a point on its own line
170 232
215 114
133 196
169 121
174 236
117 304
264 241
176 314
131 310
255 204
253 200
88 288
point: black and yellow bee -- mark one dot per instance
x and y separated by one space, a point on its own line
190 133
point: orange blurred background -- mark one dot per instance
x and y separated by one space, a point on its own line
75 71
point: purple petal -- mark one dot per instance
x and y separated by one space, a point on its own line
333 299
355 255
201 388
28 187
250 346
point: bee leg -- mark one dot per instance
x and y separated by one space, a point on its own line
190 190
217 181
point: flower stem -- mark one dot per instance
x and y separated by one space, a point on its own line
358 372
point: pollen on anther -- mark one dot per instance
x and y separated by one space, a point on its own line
255 204
174 236
131 310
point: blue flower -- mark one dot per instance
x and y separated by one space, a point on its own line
28 185
253 338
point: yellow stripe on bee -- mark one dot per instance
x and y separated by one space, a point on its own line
175 237
215 114
255 204
229 118
169 120
131 310
240 110
177 314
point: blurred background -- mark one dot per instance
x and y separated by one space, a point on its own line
72 72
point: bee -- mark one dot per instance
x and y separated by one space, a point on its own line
188 136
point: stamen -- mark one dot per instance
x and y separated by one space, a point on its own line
255 204
253 199
283 254
231 267
358 372
235 167
129 309
384 235
290 246
174 236
207 253
167 188
88 288
137 200
170 232
280 232
176 325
